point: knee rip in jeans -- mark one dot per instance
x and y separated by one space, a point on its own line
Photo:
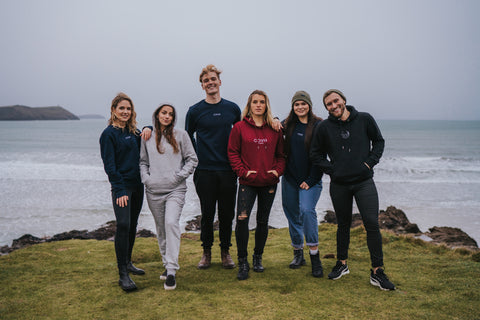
271 190
243 215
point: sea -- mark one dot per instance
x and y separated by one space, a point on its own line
52 178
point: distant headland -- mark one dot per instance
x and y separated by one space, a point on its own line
19 112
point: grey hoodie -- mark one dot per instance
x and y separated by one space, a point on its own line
165 172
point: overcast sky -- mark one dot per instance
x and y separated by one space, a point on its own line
408 59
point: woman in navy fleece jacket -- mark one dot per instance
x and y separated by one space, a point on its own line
120 150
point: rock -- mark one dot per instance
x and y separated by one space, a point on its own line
25 241
145 234
73 234
194 224
330 217
105 232
452 237
19 112
396 220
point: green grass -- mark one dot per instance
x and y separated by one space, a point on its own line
77 279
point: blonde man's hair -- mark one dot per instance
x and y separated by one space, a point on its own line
210 68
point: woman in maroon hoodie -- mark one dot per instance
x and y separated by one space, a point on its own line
255 152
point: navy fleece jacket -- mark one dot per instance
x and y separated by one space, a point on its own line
120 151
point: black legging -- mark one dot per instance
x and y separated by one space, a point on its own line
127 219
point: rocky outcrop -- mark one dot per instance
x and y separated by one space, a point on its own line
194 224
451 237
396 220
105 232
18 112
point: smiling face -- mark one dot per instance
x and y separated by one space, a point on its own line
123 112
258 105
301 109
335 106
166 116
211 83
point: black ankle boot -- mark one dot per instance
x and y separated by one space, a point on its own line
298 259
125 282
257 263
243 268
134 270
317 269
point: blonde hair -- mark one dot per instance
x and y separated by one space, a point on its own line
132 122
267 116
210 68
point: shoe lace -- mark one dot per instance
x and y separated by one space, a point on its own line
379 273
338 266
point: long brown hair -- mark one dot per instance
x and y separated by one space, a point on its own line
290 123
267 116
167 132
132 122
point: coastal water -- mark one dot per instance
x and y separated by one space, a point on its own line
52 178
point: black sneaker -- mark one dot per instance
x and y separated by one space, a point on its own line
380 280
163 276
338 271
170 283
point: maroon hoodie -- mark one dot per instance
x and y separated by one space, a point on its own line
256 148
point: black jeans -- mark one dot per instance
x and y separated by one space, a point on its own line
216 187
127 219
246 199
366 197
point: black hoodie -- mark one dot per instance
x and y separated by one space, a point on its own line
349 145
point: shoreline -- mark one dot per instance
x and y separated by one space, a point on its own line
391 219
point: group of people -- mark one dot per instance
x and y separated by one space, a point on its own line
222 146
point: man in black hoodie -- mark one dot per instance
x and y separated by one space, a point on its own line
353 143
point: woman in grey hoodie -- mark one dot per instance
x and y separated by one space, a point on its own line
165 164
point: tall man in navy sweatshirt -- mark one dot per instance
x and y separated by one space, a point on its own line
354 145
209 123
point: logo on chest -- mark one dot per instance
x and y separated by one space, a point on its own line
260 140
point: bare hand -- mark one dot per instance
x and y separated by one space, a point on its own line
277 125
122 201
249 172
304 186
274 172
146 133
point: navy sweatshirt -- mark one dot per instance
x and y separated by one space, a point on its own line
299 167
211 124
349 145
120 150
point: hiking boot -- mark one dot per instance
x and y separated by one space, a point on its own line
257 263
163 276
124 281
134 270
206 260
338 271
170 283
380 280
298 259
317 269
243 268
227 261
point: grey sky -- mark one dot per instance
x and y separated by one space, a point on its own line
409 59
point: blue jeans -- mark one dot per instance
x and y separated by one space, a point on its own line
366 197
299 208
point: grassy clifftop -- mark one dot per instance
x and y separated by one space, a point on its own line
18 112
77 279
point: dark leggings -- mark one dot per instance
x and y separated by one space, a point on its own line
366 197
246 199
127 219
